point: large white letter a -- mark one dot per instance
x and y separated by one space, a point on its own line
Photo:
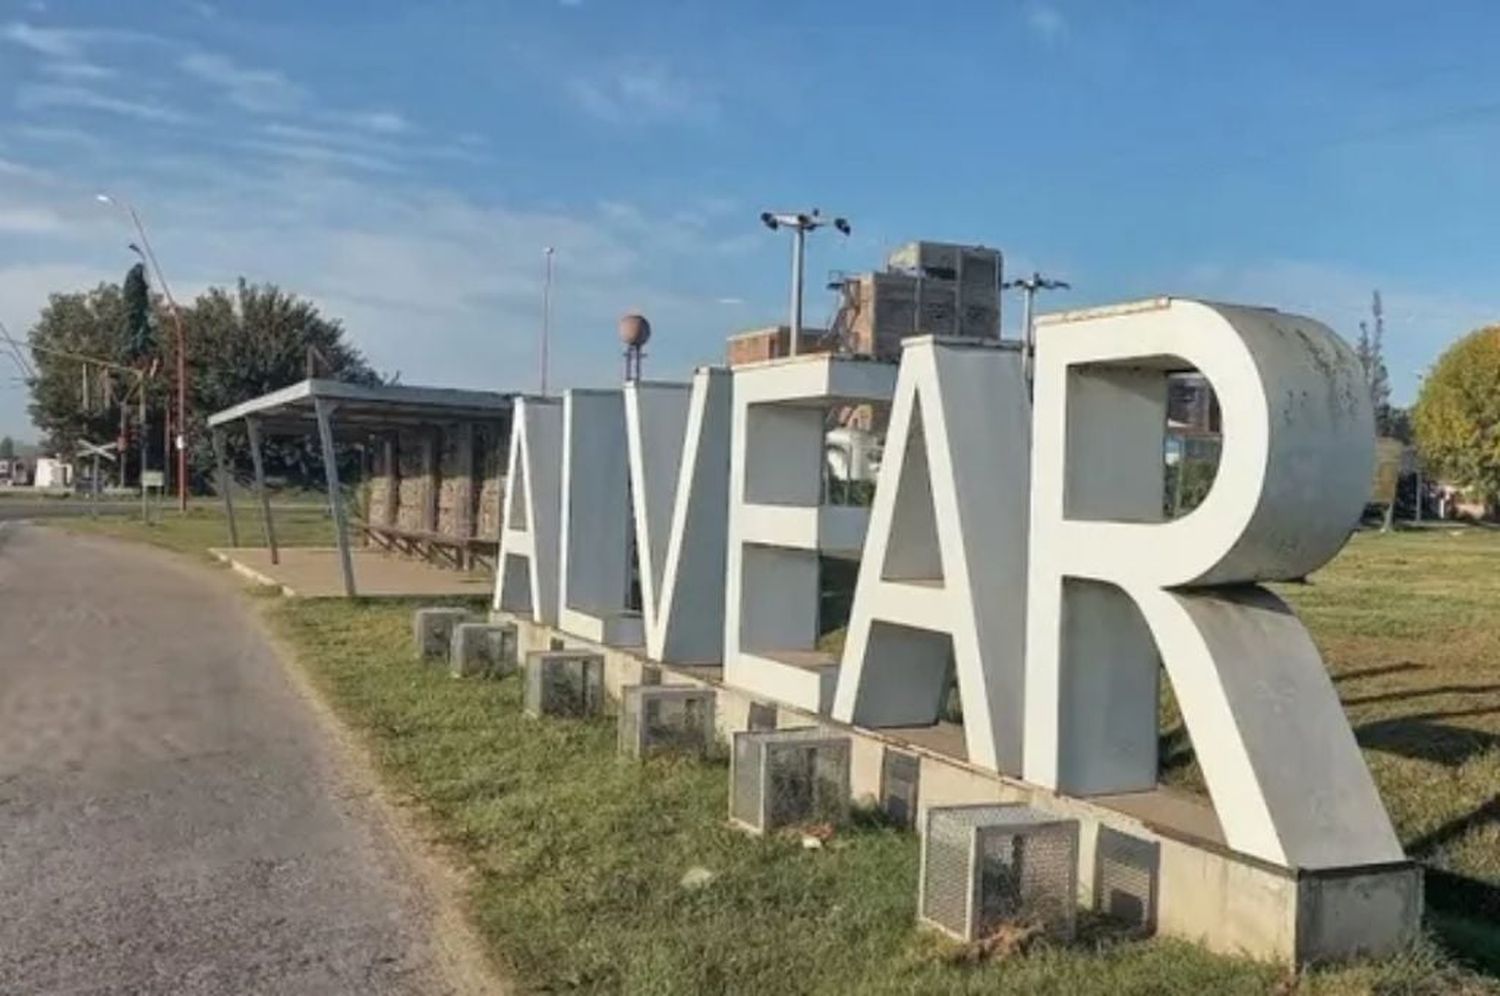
944 567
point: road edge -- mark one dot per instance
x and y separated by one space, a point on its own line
442 881
458 950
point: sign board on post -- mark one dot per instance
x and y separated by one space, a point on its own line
153 479
105 450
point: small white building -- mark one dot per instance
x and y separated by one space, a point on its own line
52 473
13 473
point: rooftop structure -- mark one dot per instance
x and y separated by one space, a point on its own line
926 288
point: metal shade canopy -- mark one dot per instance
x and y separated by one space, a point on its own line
337 409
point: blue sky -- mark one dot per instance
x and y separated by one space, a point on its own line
404 167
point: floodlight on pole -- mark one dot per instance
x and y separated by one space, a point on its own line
1029 286
549 252
800 224
144 250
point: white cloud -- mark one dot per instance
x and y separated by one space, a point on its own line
382 122
314 153
14 168
357 148
58 43
443 287
30 221
261 91
79 138
42 96
1046 22
77 70
69 44
641 94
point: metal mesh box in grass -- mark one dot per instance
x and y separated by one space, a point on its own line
780 778
432 630
483 649
988 866
1126 870
900 781
564 683
666 718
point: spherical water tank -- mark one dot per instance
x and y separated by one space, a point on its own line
635 331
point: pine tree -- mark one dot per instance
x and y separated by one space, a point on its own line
1370 350
140 339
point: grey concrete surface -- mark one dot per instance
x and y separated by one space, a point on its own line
173 818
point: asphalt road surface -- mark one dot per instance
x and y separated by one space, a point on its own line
174 816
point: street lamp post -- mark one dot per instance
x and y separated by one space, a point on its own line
1029 286
800 224
150 256
549 252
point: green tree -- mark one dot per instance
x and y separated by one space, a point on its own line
1457 415
7 448
240 343
71 399
250 340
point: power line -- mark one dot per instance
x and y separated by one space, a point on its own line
16 353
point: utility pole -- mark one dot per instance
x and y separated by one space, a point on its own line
142 378
800 224
148 254
1028 287
548 252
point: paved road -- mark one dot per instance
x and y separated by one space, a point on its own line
173 816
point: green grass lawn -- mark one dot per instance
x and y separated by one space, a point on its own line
578 856
1409 625
202 527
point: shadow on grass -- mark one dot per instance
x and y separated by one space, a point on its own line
1372 672
1419 738
1406 694
1464 915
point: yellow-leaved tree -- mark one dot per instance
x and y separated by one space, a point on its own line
1457 416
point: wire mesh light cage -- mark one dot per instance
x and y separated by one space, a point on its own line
988 866
1126 870
432 630
900 778
485 649
666 719
782 778
564 683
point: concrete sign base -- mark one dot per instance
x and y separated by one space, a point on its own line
1202 890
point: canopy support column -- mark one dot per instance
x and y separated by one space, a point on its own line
325 410
252 428
222 463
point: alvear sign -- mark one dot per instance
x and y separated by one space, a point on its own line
1022 541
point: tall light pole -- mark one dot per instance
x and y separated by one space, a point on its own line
800 224
1029 286
149 254
548 252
